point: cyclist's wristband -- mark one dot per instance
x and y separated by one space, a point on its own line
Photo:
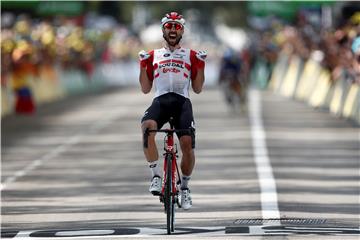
143 63
201 64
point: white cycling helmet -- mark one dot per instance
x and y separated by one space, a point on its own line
173 17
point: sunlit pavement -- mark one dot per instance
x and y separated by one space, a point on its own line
76 170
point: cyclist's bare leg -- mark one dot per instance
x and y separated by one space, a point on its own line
152 156
188 156
187 166
151 153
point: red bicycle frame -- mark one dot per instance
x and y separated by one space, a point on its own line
170 149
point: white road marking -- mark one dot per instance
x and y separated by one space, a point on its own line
244 230
34 164
98 125
83 233
269 202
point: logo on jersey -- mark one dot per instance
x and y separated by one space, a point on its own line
174 70
178 55
172 64
167 55
174 67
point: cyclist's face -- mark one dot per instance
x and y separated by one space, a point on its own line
172 33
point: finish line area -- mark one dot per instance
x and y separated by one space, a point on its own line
241 227
80 173
210 231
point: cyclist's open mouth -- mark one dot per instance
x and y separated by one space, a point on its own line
172 35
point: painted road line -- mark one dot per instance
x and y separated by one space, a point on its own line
36 163
84 233
100 124
245 230
269 202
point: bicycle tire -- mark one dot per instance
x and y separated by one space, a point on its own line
172 215
168 196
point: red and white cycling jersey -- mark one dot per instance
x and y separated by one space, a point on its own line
172 71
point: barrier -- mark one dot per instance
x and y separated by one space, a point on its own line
51 84
351 105
289 84
341 91
46 86
307 79
317 97
279 71
311 83
7 101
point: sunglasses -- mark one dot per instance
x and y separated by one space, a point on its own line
178 26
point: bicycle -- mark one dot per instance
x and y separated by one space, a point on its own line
169 195
234 89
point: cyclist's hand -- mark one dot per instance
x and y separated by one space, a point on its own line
143 55
201 55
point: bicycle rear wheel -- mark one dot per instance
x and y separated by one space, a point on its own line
168 198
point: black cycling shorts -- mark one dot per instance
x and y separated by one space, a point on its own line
175 106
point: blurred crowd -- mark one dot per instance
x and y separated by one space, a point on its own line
67 42
337 48
38 48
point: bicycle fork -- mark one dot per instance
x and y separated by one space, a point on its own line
174 172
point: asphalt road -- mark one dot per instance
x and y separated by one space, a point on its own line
282 170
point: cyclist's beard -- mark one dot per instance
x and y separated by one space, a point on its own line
173 44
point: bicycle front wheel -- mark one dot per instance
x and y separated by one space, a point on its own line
168 199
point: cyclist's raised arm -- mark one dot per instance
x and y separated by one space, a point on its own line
145 82
198 82
146 71
197 70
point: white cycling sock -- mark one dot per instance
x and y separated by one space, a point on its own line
184 181
155 169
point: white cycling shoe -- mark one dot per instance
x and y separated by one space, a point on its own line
155 186
186 201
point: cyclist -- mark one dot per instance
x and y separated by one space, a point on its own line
230 79
171 70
